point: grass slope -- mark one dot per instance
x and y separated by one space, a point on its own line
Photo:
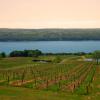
21 93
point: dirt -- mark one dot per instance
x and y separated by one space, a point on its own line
20 83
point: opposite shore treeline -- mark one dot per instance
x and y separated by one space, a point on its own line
49 34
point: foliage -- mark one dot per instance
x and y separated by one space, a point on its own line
48 34
2 55
96 56
26 53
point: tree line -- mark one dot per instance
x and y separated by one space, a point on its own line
24 53
49 34
35 53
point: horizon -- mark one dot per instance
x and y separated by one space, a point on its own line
48 14
52 28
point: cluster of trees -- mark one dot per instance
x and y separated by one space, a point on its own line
49 34
25 53
2 55
96 56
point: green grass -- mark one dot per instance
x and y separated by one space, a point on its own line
29 92
14 93
15 61
10 62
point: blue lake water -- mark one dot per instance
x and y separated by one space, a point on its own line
52 46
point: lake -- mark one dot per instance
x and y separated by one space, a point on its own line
52 46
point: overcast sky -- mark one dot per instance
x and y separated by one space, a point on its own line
49 13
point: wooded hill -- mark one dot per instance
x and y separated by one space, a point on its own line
49 34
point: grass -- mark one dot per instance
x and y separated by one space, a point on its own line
87 82
28 92
10 62
14 93
15 61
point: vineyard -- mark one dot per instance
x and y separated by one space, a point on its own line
70 75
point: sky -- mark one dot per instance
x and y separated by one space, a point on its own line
49 13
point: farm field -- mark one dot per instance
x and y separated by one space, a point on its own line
65 77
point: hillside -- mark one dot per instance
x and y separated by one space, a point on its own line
49 34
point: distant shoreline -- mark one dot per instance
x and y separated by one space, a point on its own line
49 35
51 41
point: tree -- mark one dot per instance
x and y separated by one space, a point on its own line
2 55
96 56
37 53
16 54
26 53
